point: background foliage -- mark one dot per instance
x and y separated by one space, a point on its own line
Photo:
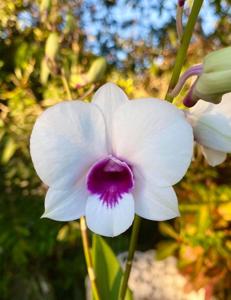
47 44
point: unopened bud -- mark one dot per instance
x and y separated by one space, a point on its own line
215 79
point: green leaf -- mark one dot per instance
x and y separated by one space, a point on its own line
224 210
45 5
52 45
204 219
168 230
165 249
9 150
97 70
107 269
44 71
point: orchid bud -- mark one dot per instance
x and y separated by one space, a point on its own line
214 80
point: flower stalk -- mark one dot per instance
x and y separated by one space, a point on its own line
88 258
131 251
181 54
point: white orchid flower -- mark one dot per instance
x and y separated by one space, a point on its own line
111 158
212 128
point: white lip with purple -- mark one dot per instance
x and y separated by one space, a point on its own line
110 178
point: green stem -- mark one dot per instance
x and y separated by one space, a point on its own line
88 258
131 251
181 54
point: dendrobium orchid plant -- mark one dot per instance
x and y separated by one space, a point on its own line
111 158
114 158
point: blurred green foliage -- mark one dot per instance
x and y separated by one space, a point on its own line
42 259
201 238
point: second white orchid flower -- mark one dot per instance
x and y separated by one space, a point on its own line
212 128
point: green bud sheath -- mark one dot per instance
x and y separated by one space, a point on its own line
215 79
219 60
214 83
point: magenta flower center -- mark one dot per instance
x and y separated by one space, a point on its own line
110 178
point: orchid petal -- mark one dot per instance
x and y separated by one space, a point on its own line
212 127
225 105
153 202
201 107
155 138
109 221
66 205
66 140
108 98
213 157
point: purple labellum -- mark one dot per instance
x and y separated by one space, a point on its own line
110 178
